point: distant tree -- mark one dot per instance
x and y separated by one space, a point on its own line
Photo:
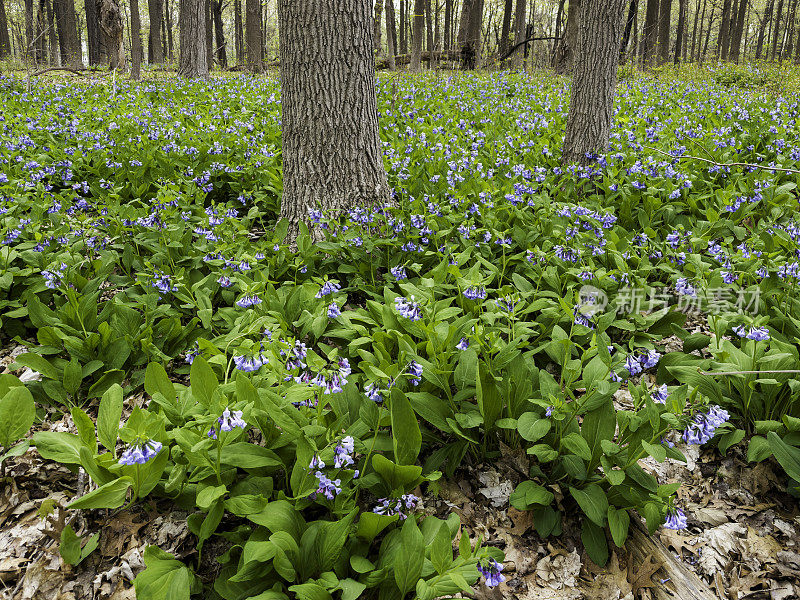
738 31
209 33
776 36
391 34
448 24
403 20
332 156
219 34
5 40
626 35
252 27
69 42
565 46
680 39
650 32
238 31
29 31
111 29
379 8
193 59
506 28
594 81
519 34
765 23
791 16
156 56
417 33
136 41
664 22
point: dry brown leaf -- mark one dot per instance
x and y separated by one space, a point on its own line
610 583
522 519
641 576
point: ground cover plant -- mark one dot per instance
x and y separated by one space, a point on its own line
302 399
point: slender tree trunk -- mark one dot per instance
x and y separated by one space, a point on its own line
437 35
519 34
403 39
331 150
5 40
776 38
708 35
156 56
41 40
379 8
111 30
506 27
594 81
416 35
736 39
193 58
731 27
471 50
448 19
429 33
765 23
391 33
209 34
253 32
650 33
664 22
29 30
136 41
219 33
562 60
693 55
626 36
791 16
679 39
52 38
558 32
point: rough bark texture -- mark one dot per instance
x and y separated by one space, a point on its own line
238 31
764 26
594 81
136 41
448 24
506 28
776 35
736 42
156 56
111 29
693 54
664 21
428 26
193 61
331 150
168 21
52 38
40 45
5 40
391 34
253 34
680 40
650 32
377 42
29 35
403 19
471 50
722 38
565 47
209 34
519 34
417 33
626 35
67 24
791 15
219 33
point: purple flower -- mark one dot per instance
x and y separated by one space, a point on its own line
759 334
227 421
675 519
684 288
343 453
373 393
399 272
415 370
224 281
329 287
327 487
703 426
463 344
408 308
248 364
248 301
660 395
650 360
475 293
490 569
333 310
139 454
633 365
316 463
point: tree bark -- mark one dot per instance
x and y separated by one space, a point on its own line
506 28
764 26
111 30
722 38
41 40
403 39
448 24
626 36
156 56
391 34
29 30
428 28
53 47
664 22
253 32
169 50
680 38
67 24
558 33
736 41
693 53
5 40
331 149
209 34
238 31
594 81
379 8
562 60
650 33
519 34
417 33
791 16
136 41
222 55
193 60
777 28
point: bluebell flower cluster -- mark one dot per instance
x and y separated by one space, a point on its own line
491 571
140 452
402 506
704 425
408 308
759 334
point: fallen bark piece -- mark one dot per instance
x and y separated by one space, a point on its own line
674 579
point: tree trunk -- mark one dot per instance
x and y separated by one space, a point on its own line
5 40
626 36
558 33
519 34
722 38
738 30
253 32
111 30
428 30
471 51
193 59
594 81
222 55
66 20
679 40
52 41
332 157
41 44
417 33
448 27
169 49
506 27
562 60
209 33
29 31
136 41
403 40
791 16
693 54
391 33
156 56
708 35
776 36
764 26
379 8
650 33
664 22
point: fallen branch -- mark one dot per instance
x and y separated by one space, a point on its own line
719 164
68 69
404 59
515 46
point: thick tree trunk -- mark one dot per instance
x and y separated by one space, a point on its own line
777 30
664 22
471 51
738 30
519 34
332 157
506 28
403 39
680 38
417 33
391 34
238 31
626 36
565 48
448 24
594 81
111 29
764 27
68 33
428 28
209 34
222 55
722 38
650 33
193 59
156 56
5 40
170 49
252 27
136 41
379 8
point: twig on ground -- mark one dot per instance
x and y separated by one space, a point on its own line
719 164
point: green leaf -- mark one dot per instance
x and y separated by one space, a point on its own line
577 445
203 381
208 495
528 494
110 495
657 451
39 364
351 589
531 427
108 379
164 578
406 435
310 591
594 540
593 501
249 456
758 449
618 522
70 547
151 472
108 416
490 402
410 557
730 439
598 426
788 456
17 413
331 539
85 427
73 375
371 524
398 477
442 549
157 380
280 515
58 446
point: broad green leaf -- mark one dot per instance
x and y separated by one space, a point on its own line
110 495
164 577
593 501
17 413
594 540
618 522
410 557
787 456
203 380
108 418
406 435
157 380
531 427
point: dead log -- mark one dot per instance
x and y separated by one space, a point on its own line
680 582
404 59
